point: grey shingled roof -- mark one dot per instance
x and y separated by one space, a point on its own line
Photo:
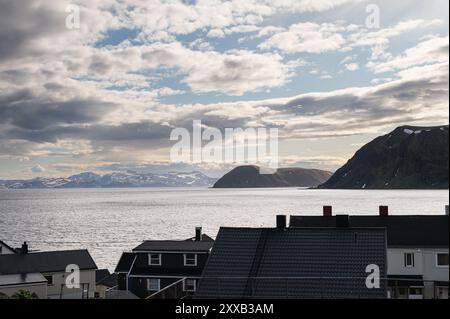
45 262
19 279
293 263
175 245
418 231
125 262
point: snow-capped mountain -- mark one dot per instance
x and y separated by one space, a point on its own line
115 180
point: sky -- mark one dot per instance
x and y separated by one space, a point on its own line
104 94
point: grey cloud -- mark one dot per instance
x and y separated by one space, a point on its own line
27 111
23 21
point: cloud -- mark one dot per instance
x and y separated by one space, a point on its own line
37 169
434 50
233 73
352 67
307 37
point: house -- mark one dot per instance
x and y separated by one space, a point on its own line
418 253
156 266
104 281
6 249
27 268
294 263
34 283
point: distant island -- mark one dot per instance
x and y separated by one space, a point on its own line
410 157
114 180
250 177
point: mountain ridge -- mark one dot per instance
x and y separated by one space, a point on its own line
410 157
127 179
249 176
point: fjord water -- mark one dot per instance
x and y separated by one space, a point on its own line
109 221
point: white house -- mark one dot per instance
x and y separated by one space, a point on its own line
57 268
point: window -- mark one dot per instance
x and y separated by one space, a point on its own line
442 260
84 291
153 284
49 280
190 285
190 260
409 260
154 259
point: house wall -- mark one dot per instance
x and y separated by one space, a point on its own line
172 269
425 265
59 290
171 263
101 291
39 289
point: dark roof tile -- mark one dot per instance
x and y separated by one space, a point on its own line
45 262
293 263
402 231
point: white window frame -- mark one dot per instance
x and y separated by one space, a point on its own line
186 259
150 263
413 259
437 260
158 285
190 290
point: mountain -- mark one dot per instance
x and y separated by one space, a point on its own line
250 177
408 158
114 180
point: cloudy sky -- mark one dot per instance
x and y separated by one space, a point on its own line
105 96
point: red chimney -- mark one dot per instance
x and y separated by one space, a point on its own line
384 211
327 211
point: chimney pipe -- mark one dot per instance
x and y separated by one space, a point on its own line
281 222
327 211
198 234
24 248
384 211
342 221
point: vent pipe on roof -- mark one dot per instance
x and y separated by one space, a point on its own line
24 248
198 234
281 222
384 211
327 211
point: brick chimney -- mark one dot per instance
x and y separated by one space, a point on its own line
384 211
327 211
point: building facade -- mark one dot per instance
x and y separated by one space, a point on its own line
158 266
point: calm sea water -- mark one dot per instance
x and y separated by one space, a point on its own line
109 221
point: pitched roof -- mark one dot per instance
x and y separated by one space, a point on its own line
205 237
45 262
175 245
105 278
7 246
293 263
125 262
402 231
18 279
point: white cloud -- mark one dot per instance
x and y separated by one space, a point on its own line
434 50
352 67
307 37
